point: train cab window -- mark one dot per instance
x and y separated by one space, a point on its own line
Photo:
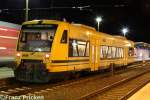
36 38
64 37
23 37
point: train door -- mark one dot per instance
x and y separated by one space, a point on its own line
125 56
93 54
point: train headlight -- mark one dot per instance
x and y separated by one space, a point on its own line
47 56
18 54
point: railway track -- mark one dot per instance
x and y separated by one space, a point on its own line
43 89
120 90
74 90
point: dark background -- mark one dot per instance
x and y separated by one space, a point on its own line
116 14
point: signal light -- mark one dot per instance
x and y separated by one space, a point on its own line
18 54
47 56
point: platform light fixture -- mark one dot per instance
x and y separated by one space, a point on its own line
27 10
98 20
124 31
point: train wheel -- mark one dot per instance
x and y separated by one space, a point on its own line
42 76
112 68
76 75
85 73
67 76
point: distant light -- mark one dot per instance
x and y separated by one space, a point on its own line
99 19
3 48
18 54
47 56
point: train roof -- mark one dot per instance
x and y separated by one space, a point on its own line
84 26
120 37
102 33
117 37
79 26
142 45
9 25
43 21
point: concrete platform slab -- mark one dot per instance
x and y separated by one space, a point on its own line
6 72
142 94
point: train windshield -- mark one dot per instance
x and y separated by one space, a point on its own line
37 38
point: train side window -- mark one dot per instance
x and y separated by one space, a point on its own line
131 51
75 51
121 52
104 50
101 52
78 48
81 48
113 52
117 52
64 37
73 48
109 53
87 49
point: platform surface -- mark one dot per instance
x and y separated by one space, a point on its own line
6 72
142 94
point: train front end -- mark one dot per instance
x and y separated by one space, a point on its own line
34 47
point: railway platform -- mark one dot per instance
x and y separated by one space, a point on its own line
6 72
142 94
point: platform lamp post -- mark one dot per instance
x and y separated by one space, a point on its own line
98 20
27 10
124 31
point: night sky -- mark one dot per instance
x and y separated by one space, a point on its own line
134 14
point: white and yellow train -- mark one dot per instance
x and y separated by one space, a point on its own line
50 48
